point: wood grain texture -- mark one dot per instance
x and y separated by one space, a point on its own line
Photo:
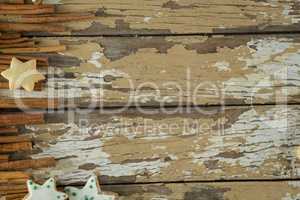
162 71
213 191
202 191
237 143
180 16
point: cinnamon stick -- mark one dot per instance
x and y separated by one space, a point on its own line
53 18
23 44
14 139
49 49
19 196
34 11
20 119
14 40
14 1
4 62
41 103
15 147
28 164
22 27
9 36
8 192
24 6
5 193
8 130
3 158
13 181
4 85
13 175
13 187
3 67
41 61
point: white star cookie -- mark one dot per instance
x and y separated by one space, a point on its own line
91 191
44 192
22 74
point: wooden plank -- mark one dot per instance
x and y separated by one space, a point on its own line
209 191
180 145
21 119
162 71
199 191
183 16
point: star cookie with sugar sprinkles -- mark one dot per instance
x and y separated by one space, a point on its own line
91 191
47 191
22 74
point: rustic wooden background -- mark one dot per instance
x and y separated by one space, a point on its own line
244 53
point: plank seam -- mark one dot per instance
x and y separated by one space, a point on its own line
201 181
171 35
15 110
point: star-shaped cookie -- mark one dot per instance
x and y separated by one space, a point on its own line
22 74
47 191
91 191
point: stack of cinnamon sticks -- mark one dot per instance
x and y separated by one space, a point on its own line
16 17
14 43
36 18
25 49
14 173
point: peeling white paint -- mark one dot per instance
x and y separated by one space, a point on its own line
222 66
95 59
52 2
289 196
156 136
273 67
263 133
147 19
173 157
265 49
73 149
160 198
294 184
288 14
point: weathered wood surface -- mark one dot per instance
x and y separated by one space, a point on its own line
180 16
189 144
213 191
203 191
238 143
194 70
